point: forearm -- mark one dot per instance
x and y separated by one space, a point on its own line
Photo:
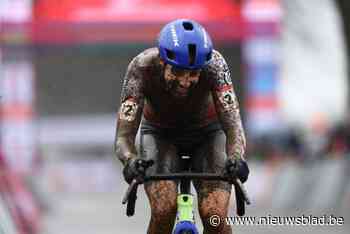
235 137
124 145
230 118
227 107
125 149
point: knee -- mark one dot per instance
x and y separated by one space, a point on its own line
164 211
162 217
209 209
213 219
208 212
215 205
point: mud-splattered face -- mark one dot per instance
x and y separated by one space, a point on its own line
180 81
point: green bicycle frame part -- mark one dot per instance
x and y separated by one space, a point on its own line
185 208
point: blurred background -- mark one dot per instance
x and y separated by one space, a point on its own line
62 65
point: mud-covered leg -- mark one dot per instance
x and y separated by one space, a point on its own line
213 199
162 198
161 194
213 196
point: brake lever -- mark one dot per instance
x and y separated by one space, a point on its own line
237 182
134 183
243 190
241 193
130 195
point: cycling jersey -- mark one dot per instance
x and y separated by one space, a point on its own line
145 93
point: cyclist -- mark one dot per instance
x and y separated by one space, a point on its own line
182 97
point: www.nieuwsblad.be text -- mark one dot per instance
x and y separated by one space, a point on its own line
270 220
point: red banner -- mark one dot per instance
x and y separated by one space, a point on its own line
134 10
110 21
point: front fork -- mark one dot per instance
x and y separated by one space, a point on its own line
185 217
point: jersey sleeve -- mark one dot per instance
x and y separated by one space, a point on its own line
227 106
130 111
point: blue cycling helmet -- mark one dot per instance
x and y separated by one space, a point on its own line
185 43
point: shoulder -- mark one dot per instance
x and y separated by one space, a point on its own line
217 62
146 59
218 70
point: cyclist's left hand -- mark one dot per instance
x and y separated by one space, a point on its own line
237 168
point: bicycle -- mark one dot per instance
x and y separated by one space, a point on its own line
185 223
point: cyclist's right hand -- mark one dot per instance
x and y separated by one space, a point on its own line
135 168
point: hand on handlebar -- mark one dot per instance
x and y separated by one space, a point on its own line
237 168
136 169
141 166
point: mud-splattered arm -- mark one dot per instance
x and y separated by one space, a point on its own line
227 107
130 112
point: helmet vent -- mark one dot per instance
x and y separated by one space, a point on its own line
192 53
170 54
208 56
188 26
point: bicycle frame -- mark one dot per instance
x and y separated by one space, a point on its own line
185 218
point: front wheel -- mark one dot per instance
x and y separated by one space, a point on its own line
185 227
